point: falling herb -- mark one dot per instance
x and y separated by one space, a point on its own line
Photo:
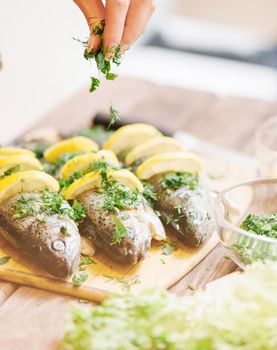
175 180
79 278
149 194
120 231
11 170
264 225
169 246
114 116
94 85
104 66
4 260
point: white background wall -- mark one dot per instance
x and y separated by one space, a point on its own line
42 65
41 62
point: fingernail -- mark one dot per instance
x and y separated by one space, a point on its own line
123 48
110 51
91 42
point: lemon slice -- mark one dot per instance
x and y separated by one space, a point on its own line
24 162
83 161
78 144
129 136
26 181
169 161
154 146
11 151
93 180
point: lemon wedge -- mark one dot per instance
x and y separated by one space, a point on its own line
11 151
154 146
22 161
169 161
129 136
77 144
93 180
26 181
83 161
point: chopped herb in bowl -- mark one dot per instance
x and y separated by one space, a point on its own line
264 225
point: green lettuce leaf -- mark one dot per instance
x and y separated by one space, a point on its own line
240 315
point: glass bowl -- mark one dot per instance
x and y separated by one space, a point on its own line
232 206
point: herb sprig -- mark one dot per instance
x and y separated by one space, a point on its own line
104 66
114 116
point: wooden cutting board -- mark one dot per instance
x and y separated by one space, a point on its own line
106 276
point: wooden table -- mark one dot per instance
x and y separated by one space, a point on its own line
33 319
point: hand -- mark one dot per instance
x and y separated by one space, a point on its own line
125 21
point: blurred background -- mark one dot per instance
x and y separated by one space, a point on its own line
228 47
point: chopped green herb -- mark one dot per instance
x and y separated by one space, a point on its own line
97 133
52 169
64 231
78 212
120 231
119 196
94 84
94 166
46 204
150 194
11 170
4 260
104 66
175 180
127 283
169 246
86 260
191 286
79 278
83 301
114 116
264 225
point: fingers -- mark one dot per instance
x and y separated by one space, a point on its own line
138 16
116 11
94 12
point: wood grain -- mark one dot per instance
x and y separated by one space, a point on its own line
106 276
32 319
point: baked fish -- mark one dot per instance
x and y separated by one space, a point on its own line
53 241
185 207
124 234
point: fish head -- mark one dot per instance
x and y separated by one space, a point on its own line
61 253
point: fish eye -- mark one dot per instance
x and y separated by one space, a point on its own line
58 245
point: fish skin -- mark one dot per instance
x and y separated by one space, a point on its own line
56 252
195 223
99 227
